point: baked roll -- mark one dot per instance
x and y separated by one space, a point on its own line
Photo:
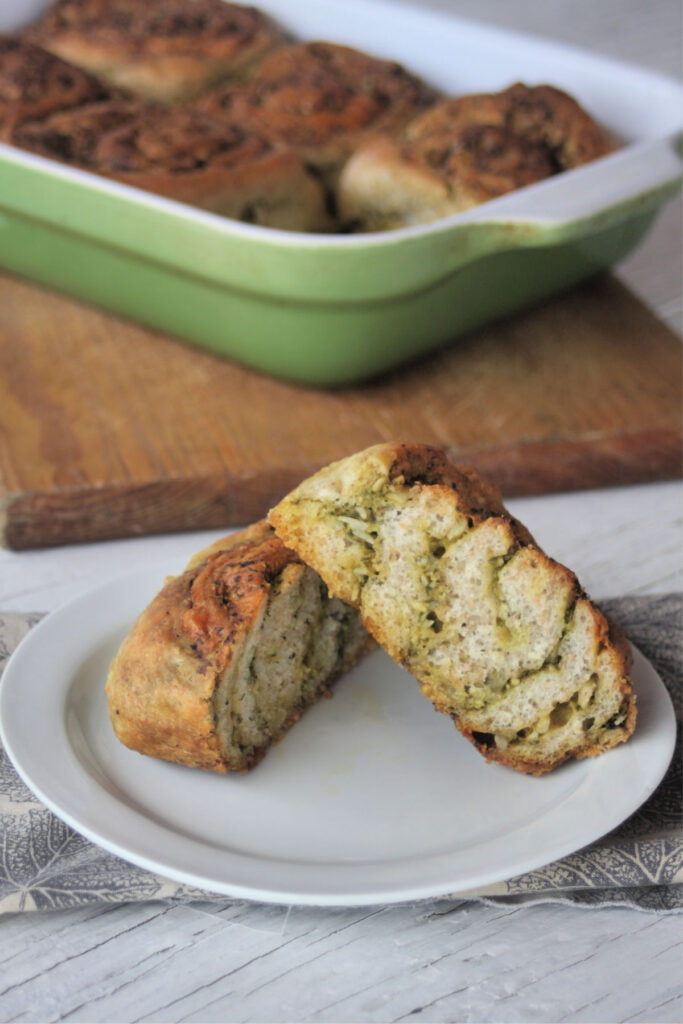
164 51
538 114
322 100
229 654
394 183
34 83
187 155
465 151
499 636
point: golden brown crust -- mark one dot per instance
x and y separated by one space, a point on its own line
392 182
322 99
34 84
360 517
161 684
163 52
127 140
183 154
184 683
480 162
464 151
554 119
253 534
539 115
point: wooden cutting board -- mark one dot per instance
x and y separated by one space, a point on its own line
110 430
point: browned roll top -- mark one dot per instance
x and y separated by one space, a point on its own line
486 160
177 27
549 116
203 611
312 94
540 115
120 138
162 684
224 593
34 83
180 140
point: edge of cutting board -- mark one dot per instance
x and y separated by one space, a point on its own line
75 515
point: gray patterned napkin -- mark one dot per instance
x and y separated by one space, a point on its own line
46 865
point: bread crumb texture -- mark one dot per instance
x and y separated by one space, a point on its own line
229 654
499 635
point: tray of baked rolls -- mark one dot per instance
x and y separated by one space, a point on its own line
300 190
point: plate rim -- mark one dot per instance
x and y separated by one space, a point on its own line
149 576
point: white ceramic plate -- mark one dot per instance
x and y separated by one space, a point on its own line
371 798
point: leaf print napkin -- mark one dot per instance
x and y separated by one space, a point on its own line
45 865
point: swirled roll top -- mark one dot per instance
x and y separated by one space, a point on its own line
164 52
35 83
538 115
229 654
464 151
323 99
184 154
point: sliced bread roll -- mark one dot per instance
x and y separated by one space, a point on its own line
228 655
500 636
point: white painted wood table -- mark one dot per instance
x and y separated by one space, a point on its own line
434 961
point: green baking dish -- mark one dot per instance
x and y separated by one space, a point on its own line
329 310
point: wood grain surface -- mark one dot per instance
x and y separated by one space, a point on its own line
110 430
